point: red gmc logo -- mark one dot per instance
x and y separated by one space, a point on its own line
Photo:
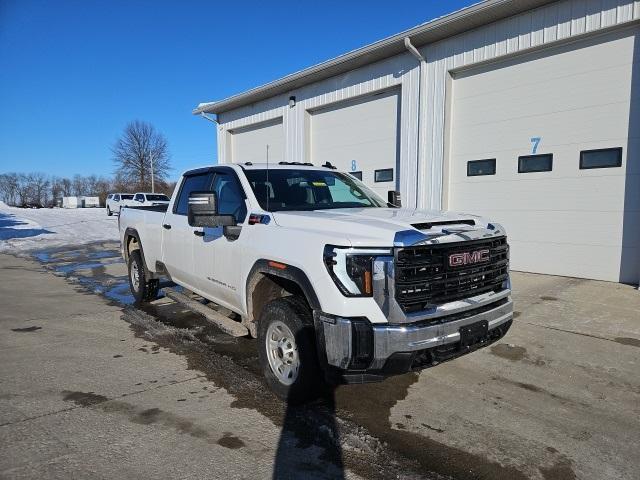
468 258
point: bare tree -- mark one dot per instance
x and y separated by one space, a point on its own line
22 189
79 185
38 188
56 189
101 189
9 188
123 184
66 187
139 146
91 183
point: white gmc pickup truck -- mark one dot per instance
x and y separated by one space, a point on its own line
337 284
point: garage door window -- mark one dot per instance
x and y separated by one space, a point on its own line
535 163
385 175
601 158
481 167
358 175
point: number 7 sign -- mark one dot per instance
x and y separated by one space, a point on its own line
535 141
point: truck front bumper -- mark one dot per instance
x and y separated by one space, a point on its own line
357 351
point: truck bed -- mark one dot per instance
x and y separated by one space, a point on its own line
147 222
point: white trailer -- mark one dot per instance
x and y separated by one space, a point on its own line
69 202
88 202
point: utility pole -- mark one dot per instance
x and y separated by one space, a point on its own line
152 183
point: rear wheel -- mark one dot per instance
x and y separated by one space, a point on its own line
142 289
287 350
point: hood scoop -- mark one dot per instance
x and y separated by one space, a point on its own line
430 225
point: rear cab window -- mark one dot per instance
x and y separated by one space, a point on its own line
157 197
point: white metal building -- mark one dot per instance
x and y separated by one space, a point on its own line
527 111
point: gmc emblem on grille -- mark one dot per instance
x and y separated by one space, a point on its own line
468 258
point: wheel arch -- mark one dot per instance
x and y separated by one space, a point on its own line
268 280
131 242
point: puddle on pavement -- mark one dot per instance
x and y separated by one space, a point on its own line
88 266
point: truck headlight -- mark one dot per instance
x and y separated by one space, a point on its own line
352 268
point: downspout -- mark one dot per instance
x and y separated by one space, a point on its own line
422 98
211 119
216 122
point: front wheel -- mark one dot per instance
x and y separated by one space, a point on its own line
287 350
109 212
142 289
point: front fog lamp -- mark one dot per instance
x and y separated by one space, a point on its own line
352 269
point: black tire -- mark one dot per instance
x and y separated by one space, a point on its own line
109 212
294 313
143 289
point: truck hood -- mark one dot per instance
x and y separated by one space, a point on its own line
388 226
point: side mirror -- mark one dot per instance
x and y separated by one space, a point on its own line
393 197
203 211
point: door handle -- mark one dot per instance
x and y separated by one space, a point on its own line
199 233
166 226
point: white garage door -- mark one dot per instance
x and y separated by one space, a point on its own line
567 221
249 144
360 137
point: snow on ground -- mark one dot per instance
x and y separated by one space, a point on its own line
25 229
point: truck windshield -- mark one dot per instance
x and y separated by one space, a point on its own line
291 189
155 198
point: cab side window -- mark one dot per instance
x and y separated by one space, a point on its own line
231 197
191 183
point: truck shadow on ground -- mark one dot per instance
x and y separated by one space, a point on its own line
294 435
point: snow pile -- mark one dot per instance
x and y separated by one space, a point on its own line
24 229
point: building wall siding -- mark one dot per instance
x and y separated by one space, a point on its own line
399 71
560 21
422 179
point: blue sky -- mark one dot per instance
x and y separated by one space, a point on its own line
73 73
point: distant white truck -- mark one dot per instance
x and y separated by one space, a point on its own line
115 201
150 199
336 283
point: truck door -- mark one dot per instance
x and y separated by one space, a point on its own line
218 259
178 236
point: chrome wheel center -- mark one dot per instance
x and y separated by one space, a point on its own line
282 352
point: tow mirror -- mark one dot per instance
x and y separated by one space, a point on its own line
393 197
203 211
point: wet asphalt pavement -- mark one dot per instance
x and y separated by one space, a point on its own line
558 397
